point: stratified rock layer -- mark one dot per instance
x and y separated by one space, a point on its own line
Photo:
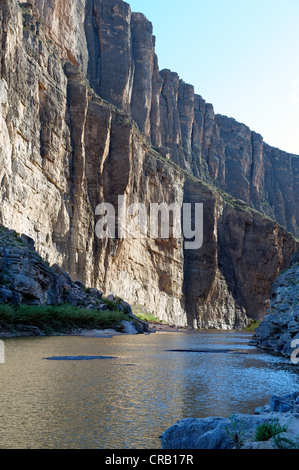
64 150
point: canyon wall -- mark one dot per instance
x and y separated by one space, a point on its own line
279 331
86 116
117 51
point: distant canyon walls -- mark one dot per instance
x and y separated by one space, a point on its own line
74 77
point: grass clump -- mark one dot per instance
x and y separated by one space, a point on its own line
110 304
60 318
140 312
236 432
285 443
265 431
252 325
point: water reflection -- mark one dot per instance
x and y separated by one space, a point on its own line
130 399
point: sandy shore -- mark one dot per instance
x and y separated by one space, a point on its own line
27 331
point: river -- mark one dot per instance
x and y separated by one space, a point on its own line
127 401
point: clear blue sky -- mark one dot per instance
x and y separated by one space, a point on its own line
241 55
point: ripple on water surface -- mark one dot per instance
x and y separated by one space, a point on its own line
85 396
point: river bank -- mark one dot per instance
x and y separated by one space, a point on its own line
126 327
66 319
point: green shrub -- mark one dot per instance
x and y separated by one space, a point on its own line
252 325
6 313
265 431
141 312
61 317
110 304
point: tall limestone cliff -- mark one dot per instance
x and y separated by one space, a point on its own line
116 48
86 116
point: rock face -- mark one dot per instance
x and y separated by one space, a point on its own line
64 23
119 48
239 431
281 326
116 48
232 272
68 142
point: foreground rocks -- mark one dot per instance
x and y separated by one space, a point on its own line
26 278
240 431
281 326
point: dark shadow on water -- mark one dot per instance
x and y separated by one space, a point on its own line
225 351
78 358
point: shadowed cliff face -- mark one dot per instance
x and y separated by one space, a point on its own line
65 149
241 256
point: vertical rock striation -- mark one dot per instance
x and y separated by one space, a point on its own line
81 119
117 50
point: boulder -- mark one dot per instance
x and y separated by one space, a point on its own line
5 295
129 328
95 293
111 298
212 432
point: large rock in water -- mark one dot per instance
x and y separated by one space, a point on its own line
64 150
281 326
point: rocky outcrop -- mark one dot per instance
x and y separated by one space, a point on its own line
274 426
65 149
26 279
280 328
